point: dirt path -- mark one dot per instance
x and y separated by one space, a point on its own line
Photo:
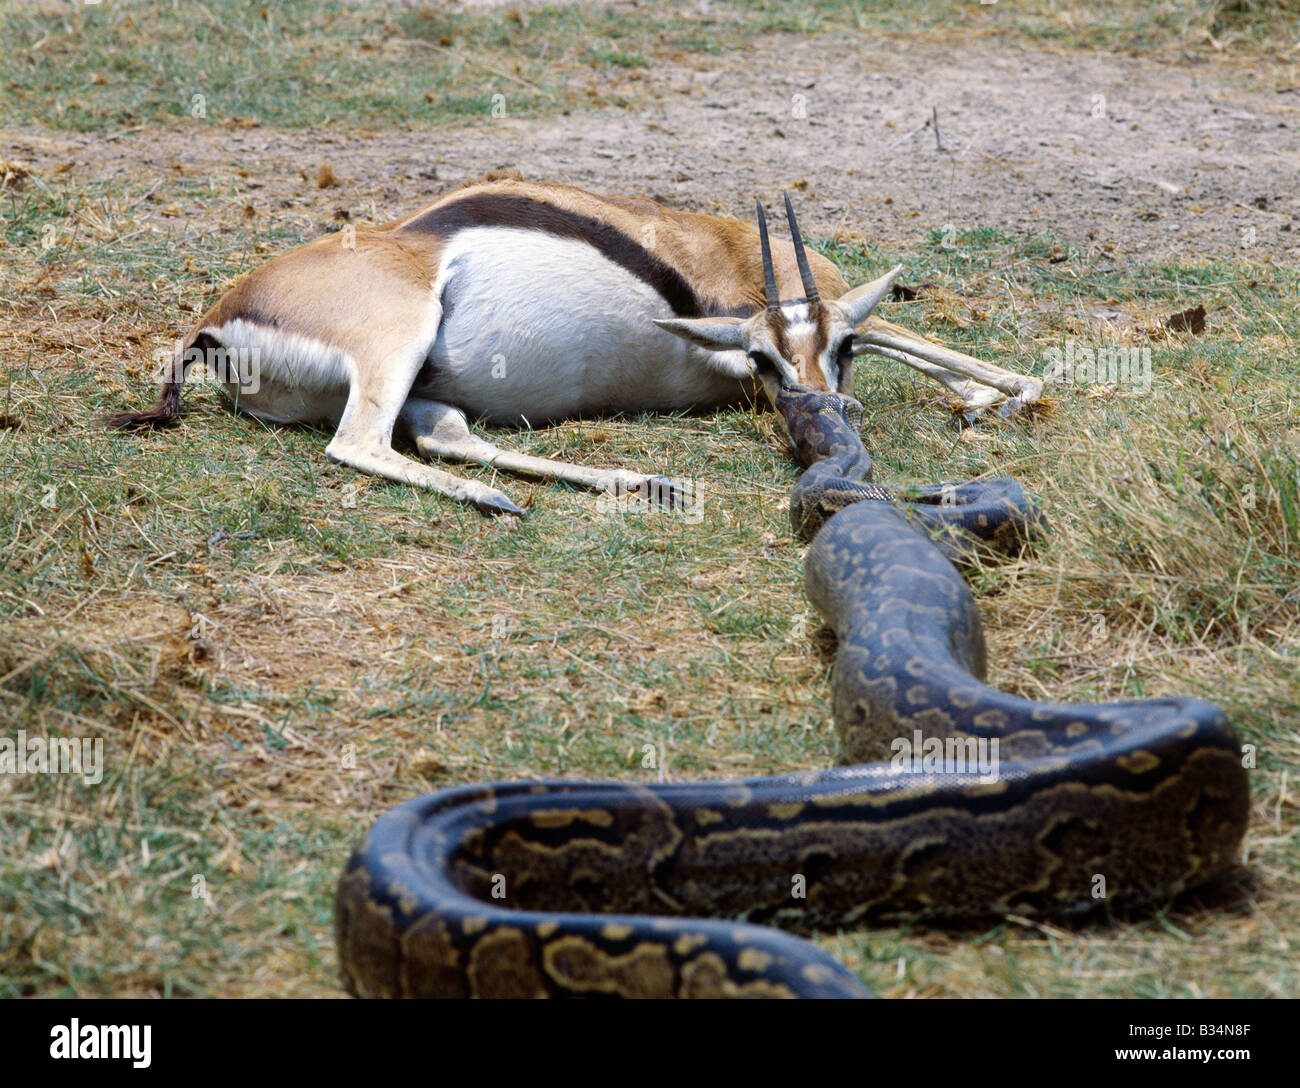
1153 159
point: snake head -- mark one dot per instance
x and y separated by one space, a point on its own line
805 411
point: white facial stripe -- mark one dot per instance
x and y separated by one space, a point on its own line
798 322
831 370
800 332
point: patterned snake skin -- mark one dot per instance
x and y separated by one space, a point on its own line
568 889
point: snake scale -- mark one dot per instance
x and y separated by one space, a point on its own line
568 889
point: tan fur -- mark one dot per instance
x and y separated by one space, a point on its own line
717 254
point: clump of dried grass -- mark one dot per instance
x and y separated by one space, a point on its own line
1190 532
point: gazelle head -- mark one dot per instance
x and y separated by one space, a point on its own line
806 342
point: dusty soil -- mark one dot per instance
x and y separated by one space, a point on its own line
1151 158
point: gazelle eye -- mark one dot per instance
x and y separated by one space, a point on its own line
763 362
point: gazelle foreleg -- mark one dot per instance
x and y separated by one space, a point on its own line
441 430
970 392
946 365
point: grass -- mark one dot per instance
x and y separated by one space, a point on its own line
349 643
262 699
107 67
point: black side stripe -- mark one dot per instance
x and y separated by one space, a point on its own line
500 210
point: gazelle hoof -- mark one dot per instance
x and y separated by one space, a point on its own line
493 505
1029 390
663 493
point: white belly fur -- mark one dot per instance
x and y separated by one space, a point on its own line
538 328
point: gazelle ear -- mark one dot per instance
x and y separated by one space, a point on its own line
711 333
858 303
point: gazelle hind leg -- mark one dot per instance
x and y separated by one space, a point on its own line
392 465
441 430
364 439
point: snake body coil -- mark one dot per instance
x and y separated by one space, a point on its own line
601 888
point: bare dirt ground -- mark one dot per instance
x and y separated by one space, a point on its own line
1151 158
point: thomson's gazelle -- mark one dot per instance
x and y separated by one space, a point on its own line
525 302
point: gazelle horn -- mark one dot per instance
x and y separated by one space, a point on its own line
769 275
805 272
